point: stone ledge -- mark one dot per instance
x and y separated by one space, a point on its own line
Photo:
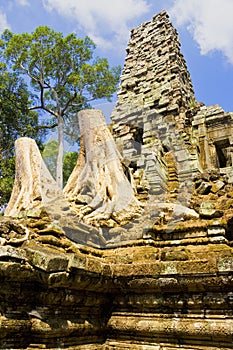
46 258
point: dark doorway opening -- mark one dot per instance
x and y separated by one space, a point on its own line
223 153
138 138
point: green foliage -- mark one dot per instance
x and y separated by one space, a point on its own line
61 74
50 153
61 69
70 160
7 170
15 121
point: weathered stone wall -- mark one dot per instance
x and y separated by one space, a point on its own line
173 292
213 128
152 114
155 73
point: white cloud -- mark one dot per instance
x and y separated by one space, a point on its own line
23 2
105 21
209 21
3 21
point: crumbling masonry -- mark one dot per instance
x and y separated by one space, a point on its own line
157 113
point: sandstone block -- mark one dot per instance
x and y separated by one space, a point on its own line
47 259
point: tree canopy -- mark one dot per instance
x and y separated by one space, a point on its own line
60 73
15 121
15 118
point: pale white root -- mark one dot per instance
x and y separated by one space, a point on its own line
98 180
34 185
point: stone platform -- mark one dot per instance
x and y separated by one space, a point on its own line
149 294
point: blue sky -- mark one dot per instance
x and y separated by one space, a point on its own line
205 29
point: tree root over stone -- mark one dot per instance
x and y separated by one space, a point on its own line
98 189
34 185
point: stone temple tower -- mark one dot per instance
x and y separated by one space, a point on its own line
153 115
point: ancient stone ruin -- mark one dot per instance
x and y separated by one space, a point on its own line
136 252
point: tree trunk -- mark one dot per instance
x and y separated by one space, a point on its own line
98 188
59 174
34 185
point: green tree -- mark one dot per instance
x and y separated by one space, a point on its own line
50 154
70 160
7 167
15 121
62 74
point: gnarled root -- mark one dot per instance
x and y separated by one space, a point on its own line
34 185
98 181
